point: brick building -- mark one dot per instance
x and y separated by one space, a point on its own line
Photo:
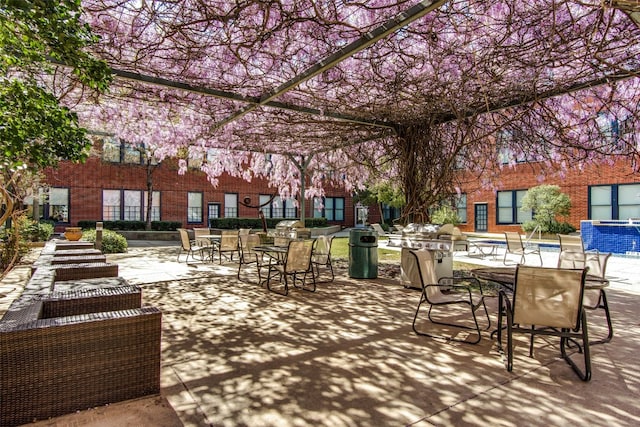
112 185
598 192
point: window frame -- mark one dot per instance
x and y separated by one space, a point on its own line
518 216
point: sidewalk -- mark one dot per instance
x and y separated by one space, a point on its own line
235 354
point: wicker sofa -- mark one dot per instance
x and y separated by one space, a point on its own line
72 345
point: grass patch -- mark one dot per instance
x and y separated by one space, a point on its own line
340 250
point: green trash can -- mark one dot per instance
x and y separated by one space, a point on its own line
363 253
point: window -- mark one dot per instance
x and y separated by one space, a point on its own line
390 213
132 205
266 206
213 211
195 160
461 207
111 150
194 207
333 208
110 205
57 205
614 202
231 205
509 205
155 206
278 208
505 152
131 154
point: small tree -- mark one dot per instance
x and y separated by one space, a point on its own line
548 204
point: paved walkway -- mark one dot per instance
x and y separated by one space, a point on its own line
235 354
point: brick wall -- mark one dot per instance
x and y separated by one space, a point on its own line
575 184
86 182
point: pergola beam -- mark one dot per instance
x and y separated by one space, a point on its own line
253 101
541 96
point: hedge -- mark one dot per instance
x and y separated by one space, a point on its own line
256 223
132 225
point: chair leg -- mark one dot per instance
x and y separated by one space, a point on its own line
603 304
473 314
585 375
283 280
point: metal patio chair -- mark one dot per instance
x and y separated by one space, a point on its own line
573 255
249 256
228 245
297 266
445 293
547 301
190 247
322 256
516 246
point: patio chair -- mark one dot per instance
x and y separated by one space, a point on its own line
547 301
322 256
445 293
573 255
378 229
296 264
189 246
248 256
229 244
515 246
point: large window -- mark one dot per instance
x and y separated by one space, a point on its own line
461 207
111 150
194 207
155 206
331 208
111 205
56 205
132 205
509 204
278 208
608 202
129 205
231 205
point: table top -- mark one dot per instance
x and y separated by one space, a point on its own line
271 248
506 276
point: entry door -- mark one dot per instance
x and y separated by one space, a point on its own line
481 217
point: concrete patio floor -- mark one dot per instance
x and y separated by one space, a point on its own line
234 354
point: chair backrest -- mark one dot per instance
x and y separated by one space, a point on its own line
184 239
244 231
299 256
378 229
571 243
248 242
514 241
322 250
427 273
597 263
548 296
197 232
229 240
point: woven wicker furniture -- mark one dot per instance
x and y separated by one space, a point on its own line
72 345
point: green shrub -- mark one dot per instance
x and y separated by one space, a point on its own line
132 225
554 227
112 242
445 215
256 223
33 231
